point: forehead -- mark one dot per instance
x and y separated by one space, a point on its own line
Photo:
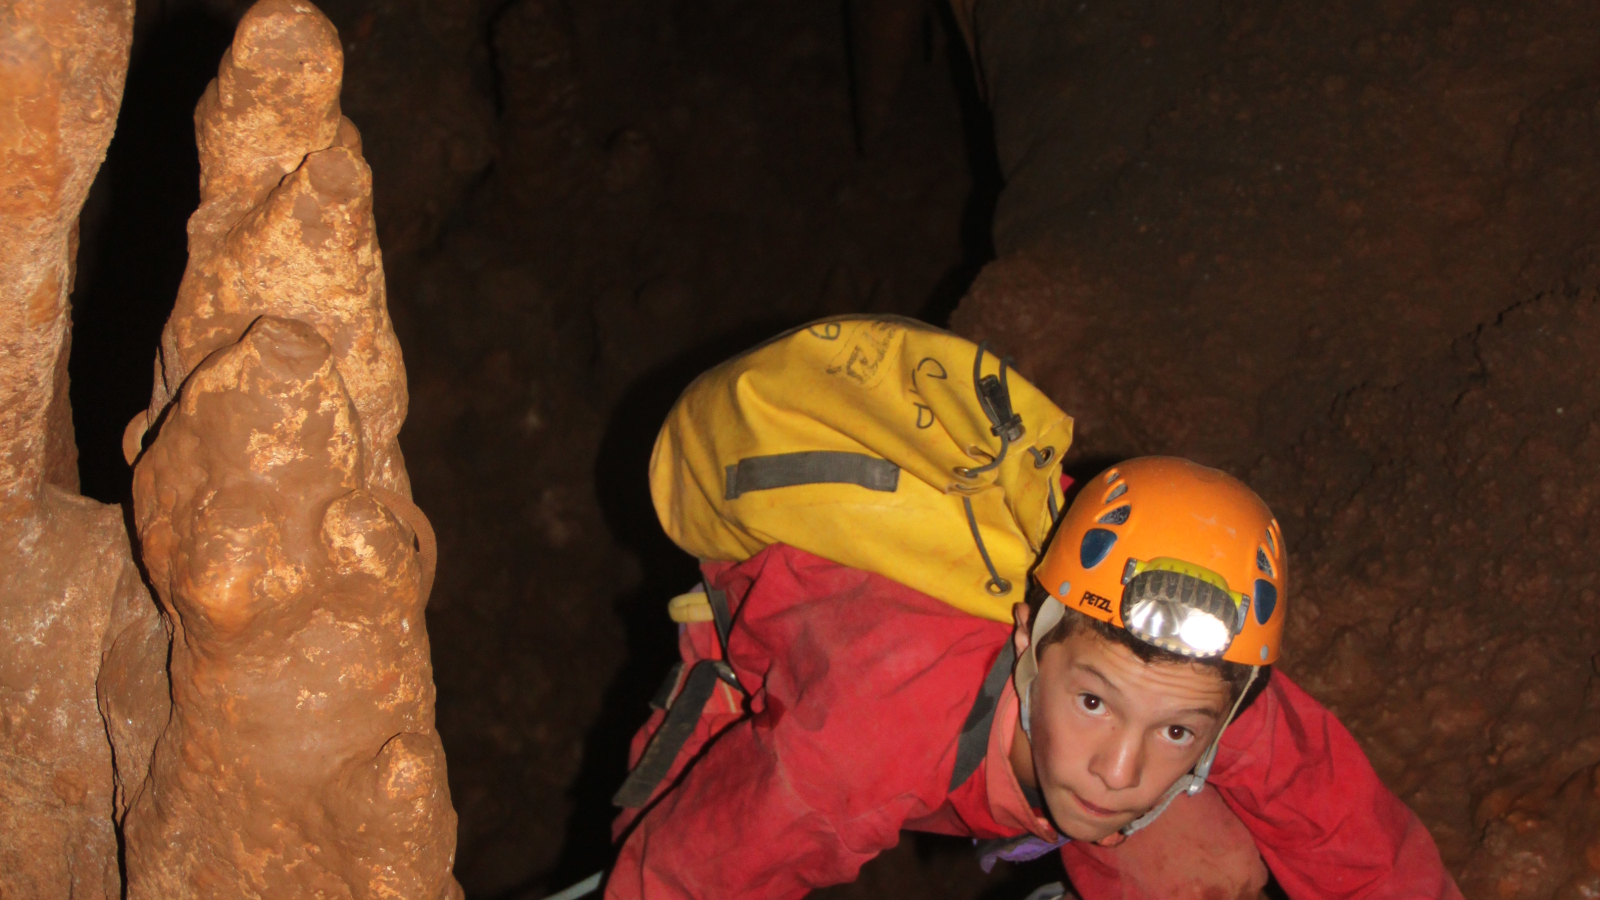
1155 687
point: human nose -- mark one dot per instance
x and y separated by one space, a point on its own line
1119 761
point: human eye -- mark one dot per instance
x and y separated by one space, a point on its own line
1091 704
1178 735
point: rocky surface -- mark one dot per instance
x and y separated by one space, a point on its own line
271 506
64 559
268 729
1338 249
285 223
1347 252
300 757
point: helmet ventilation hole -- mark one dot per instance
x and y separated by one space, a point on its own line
1096 544
1112 475
1116 492
1264 564
1117 516
1266 600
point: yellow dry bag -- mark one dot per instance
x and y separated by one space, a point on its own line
879 443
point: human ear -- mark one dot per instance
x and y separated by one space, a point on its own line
1020 638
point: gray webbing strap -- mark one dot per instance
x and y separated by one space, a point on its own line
761 473
668 742
718 601
973 744
683 711
668 689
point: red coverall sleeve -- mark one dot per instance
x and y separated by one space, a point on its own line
742 824
858 690
1325 824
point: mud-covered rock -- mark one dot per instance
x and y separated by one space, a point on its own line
62 571
62 67
285 224
64 560
301 756
298 756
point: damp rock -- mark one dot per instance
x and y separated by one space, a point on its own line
273 514
65 562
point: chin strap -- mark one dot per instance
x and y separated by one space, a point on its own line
1049 614
1191 783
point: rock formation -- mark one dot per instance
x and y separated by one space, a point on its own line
271 504
63 558
267 730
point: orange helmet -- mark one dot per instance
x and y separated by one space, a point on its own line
1185 557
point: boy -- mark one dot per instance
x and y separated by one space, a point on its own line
1129 718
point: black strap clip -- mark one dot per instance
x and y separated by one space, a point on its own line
997 403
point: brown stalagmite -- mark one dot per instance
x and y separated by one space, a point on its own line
301 756
64 560
270 498
285 224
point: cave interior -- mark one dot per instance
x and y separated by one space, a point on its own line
1344 251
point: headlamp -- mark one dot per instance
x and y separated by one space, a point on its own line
1181 607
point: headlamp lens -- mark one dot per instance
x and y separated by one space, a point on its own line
1205 634
1181 613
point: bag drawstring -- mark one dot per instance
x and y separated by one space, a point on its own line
994 398
996 585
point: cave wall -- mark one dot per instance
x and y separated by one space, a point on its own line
1342 250
1346 251
668 184
575 204
267 729
64 559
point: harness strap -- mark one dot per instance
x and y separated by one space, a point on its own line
973 745
683 710
669 739
718 600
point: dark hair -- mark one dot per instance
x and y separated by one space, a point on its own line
1234 675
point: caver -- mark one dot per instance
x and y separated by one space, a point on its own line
1123 712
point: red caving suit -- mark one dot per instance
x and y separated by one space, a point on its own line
859 688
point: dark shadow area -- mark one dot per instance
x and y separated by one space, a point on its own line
983 165
1081 469
133 240
651 645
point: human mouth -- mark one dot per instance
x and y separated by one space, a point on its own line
1093 810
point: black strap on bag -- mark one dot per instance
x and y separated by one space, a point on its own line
718 600
973 745
683 711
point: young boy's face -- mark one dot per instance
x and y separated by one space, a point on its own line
1111 733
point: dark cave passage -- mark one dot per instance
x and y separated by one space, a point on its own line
582 206
1343 251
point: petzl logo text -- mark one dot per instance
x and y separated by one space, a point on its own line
1096 601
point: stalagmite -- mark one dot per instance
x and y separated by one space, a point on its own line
272 729
270 502
63 558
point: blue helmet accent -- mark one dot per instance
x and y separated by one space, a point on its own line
1096 544
1266 600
